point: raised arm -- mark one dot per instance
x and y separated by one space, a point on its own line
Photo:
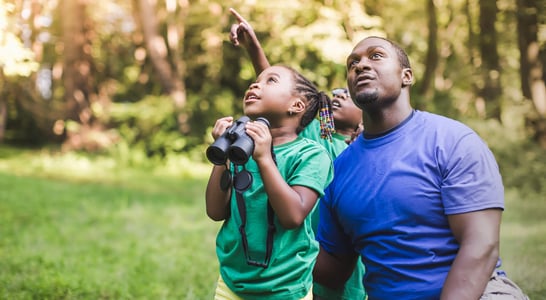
242 34
478 234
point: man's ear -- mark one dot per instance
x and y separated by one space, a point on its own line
407 77
297 106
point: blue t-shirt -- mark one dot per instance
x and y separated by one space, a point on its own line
390 198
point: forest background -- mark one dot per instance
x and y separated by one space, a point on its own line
116 92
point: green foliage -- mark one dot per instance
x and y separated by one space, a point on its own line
15 58
311 36
148 125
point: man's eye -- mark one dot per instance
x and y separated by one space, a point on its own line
353 63
376 55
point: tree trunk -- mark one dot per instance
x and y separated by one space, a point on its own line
491 91
431 62
531 68
78 70
3 108
157 50
3 118
77 61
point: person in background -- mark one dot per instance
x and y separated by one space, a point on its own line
348 124
418 196
266 247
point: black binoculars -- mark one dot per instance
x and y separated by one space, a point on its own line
234 144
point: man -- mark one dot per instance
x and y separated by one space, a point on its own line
418 197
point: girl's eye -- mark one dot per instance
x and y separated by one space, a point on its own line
271 79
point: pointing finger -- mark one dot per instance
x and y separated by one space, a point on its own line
237 16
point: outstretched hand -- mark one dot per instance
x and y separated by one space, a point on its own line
242 33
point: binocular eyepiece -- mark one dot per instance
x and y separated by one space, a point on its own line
234 144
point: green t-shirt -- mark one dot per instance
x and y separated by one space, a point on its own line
334 146
289 275
354 287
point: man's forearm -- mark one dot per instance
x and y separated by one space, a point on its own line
469 274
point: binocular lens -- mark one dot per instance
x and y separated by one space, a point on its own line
216 155
234 144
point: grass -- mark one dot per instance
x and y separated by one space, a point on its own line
523 242
79 227
138 236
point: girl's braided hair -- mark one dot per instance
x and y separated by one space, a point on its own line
318 103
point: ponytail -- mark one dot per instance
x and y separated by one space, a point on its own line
318 104
326 117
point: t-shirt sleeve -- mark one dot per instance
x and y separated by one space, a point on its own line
471 179
330 233
313 169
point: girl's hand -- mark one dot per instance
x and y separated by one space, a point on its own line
241 33
259 132
220 126
358 130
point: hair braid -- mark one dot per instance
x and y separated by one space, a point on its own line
318 103
326 117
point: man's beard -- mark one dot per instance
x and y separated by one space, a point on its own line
366 98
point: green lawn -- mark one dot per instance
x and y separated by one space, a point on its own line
73 227
139 236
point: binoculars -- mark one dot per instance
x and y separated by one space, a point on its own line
234 144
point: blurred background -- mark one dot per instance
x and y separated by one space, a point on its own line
112 103
154 75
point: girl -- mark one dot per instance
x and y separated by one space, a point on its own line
266 247
348 124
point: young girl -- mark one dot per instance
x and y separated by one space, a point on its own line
266 246
347 119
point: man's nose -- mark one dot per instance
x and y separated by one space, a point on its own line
363 64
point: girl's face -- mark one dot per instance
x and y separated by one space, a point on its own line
271 95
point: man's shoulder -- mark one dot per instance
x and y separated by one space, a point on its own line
443 124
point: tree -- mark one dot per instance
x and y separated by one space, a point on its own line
171 75
77 62
78 81
490 91
431 61
531 68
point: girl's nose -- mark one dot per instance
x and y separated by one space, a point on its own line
253 85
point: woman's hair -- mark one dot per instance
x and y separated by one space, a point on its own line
318 103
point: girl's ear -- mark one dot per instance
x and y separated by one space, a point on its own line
297 107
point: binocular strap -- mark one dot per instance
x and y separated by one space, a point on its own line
242 231
242 180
